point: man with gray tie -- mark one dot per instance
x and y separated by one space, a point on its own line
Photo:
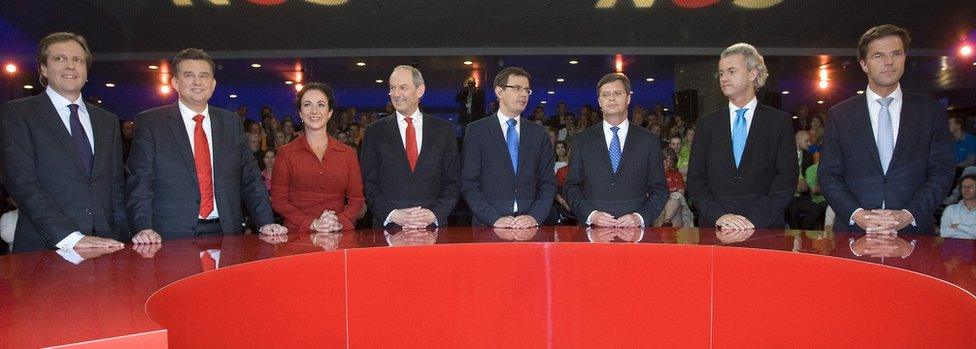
887 160
62 158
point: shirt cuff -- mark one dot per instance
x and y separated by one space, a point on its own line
71 256
852 216
389 218
69 242
641 218
913 218
589 218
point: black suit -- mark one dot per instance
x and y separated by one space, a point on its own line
487 180
44 175
763 184
162 185
638 186
920 173
387 180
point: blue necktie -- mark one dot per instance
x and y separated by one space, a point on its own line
80 139
886 133
512 137
615 149
739 133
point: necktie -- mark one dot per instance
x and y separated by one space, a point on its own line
207 262
80 139
512 137
615 149
739 133
201 157
411 145
886 133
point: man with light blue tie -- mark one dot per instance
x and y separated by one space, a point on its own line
742 171
616 172
887 159
506 168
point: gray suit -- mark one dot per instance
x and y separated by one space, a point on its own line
162 185
45 175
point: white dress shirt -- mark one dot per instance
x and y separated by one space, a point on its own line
608 136
503 122
874 110
750 112
961 216
61 106
187 114
418 124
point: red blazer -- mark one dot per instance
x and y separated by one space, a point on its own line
302 186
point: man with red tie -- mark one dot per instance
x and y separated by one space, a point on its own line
190 164
410 160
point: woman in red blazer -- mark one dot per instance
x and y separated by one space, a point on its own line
317 184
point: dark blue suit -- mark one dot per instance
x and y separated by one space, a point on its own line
638 186
489 183
919 175
45 176
162 185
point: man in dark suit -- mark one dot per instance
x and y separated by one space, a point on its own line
190 164
508 177
616 172
62 158
409 160
743 167
887 159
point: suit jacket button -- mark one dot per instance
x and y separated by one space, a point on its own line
886 180
89 212
737 177
612 184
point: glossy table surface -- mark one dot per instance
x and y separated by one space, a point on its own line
45 300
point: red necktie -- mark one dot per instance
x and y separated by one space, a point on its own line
411 143
201 156
207 261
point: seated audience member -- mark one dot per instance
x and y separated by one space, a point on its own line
965 143
815 213
676 212
562 155
800 212
267 166
684 154
959 220
317 184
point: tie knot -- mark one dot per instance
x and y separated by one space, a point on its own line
512 122
741 112
885 102
74 110
198 118
615 129
408 119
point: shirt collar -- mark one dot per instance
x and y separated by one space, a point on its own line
503 119
623 126
416 116
751 106
60 102
874 97
188 113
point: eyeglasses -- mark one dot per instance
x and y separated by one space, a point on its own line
970 187
893 54
519 89
615 94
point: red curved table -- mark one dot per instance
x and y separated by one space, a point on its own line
676 288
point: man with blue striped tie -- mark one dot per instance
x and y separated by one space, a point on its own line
742 171
616 173
887 160
506 168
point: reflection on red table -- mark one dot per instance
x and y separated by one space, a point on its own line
673 288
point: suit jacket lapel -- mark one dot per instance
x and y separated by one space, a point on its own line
102 135
724 137
758 122
50 116
500 143
604 152
628 149
392 131
176 125
907 125
426 143
863 130
218 137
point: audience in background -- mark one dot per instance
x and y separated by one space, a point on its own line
959 220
